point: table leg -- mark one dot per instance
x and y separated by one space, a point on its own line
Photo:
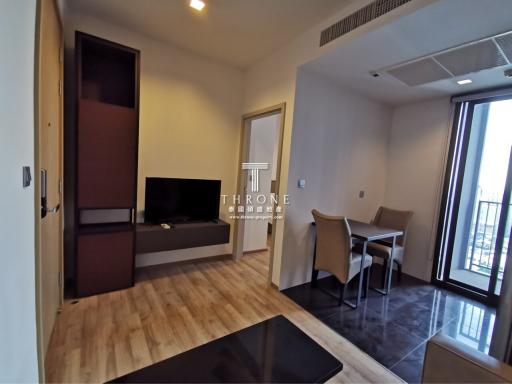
390 266
388 270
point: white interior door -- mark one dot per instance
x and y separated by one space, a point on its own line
263 146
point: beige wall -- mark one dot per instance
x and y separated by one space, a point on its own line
175 84
417 151
190 116
339 146
272 81
266 83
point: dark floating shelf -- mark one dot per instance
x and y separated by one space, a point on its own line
154 238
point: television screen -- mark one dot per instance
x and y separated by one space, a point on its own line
181 200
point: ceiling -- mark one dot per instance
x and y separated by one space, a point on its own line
441 25
238 32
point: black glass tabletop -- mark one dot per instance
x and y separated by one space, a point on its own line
274 350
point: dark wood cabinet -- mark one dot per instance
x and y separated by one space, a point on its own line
107 156
105 261
107 125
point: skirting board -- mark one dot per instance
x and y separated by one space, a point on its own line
255 251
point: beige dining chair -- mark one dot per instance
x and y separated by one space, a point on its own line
334 254
393 219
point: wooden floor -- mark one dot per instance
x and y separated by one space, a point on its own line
173 308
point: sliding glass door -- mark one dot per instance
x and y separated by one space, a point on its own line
475 220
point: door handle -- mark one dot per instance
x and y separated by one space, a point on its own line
44 202
54 209
44 196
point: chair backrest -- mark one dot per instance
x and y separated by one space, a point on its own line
394 219
333 245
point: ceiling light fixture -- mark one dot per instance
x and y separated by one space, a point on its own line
197 4
464 82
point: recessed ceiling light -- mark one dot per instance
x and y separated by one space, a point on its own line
465 81
197 4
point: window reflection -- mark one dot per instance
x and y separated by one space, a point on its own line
474 326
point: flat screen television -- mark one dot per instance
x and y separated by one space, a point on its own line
181 200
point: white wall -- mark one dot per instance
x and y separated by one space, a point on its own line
190 116
417 151
262 149
272 81
339 146
18 341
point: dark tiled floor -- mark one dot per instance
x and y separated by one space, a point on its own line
394 329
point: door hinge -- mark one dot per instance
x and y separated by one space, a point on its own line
60 279
60 87
60 187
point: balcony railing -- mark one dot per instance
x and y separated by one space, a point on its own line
482 240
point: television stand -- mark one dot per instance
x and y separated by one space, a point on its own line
154 238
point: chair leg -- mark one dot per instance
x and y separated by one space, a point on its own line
314 277
342 298
368 275
399 274
384 270
342 294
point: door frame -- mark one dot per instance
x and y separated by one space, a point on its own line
239 225
450 200
41 352
500 233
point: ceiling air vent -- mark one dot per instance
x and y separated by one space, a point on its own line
472 58
491 52
419 72
358 18
505 43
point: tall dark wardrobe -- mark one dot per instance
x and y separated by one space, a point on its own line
107 126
